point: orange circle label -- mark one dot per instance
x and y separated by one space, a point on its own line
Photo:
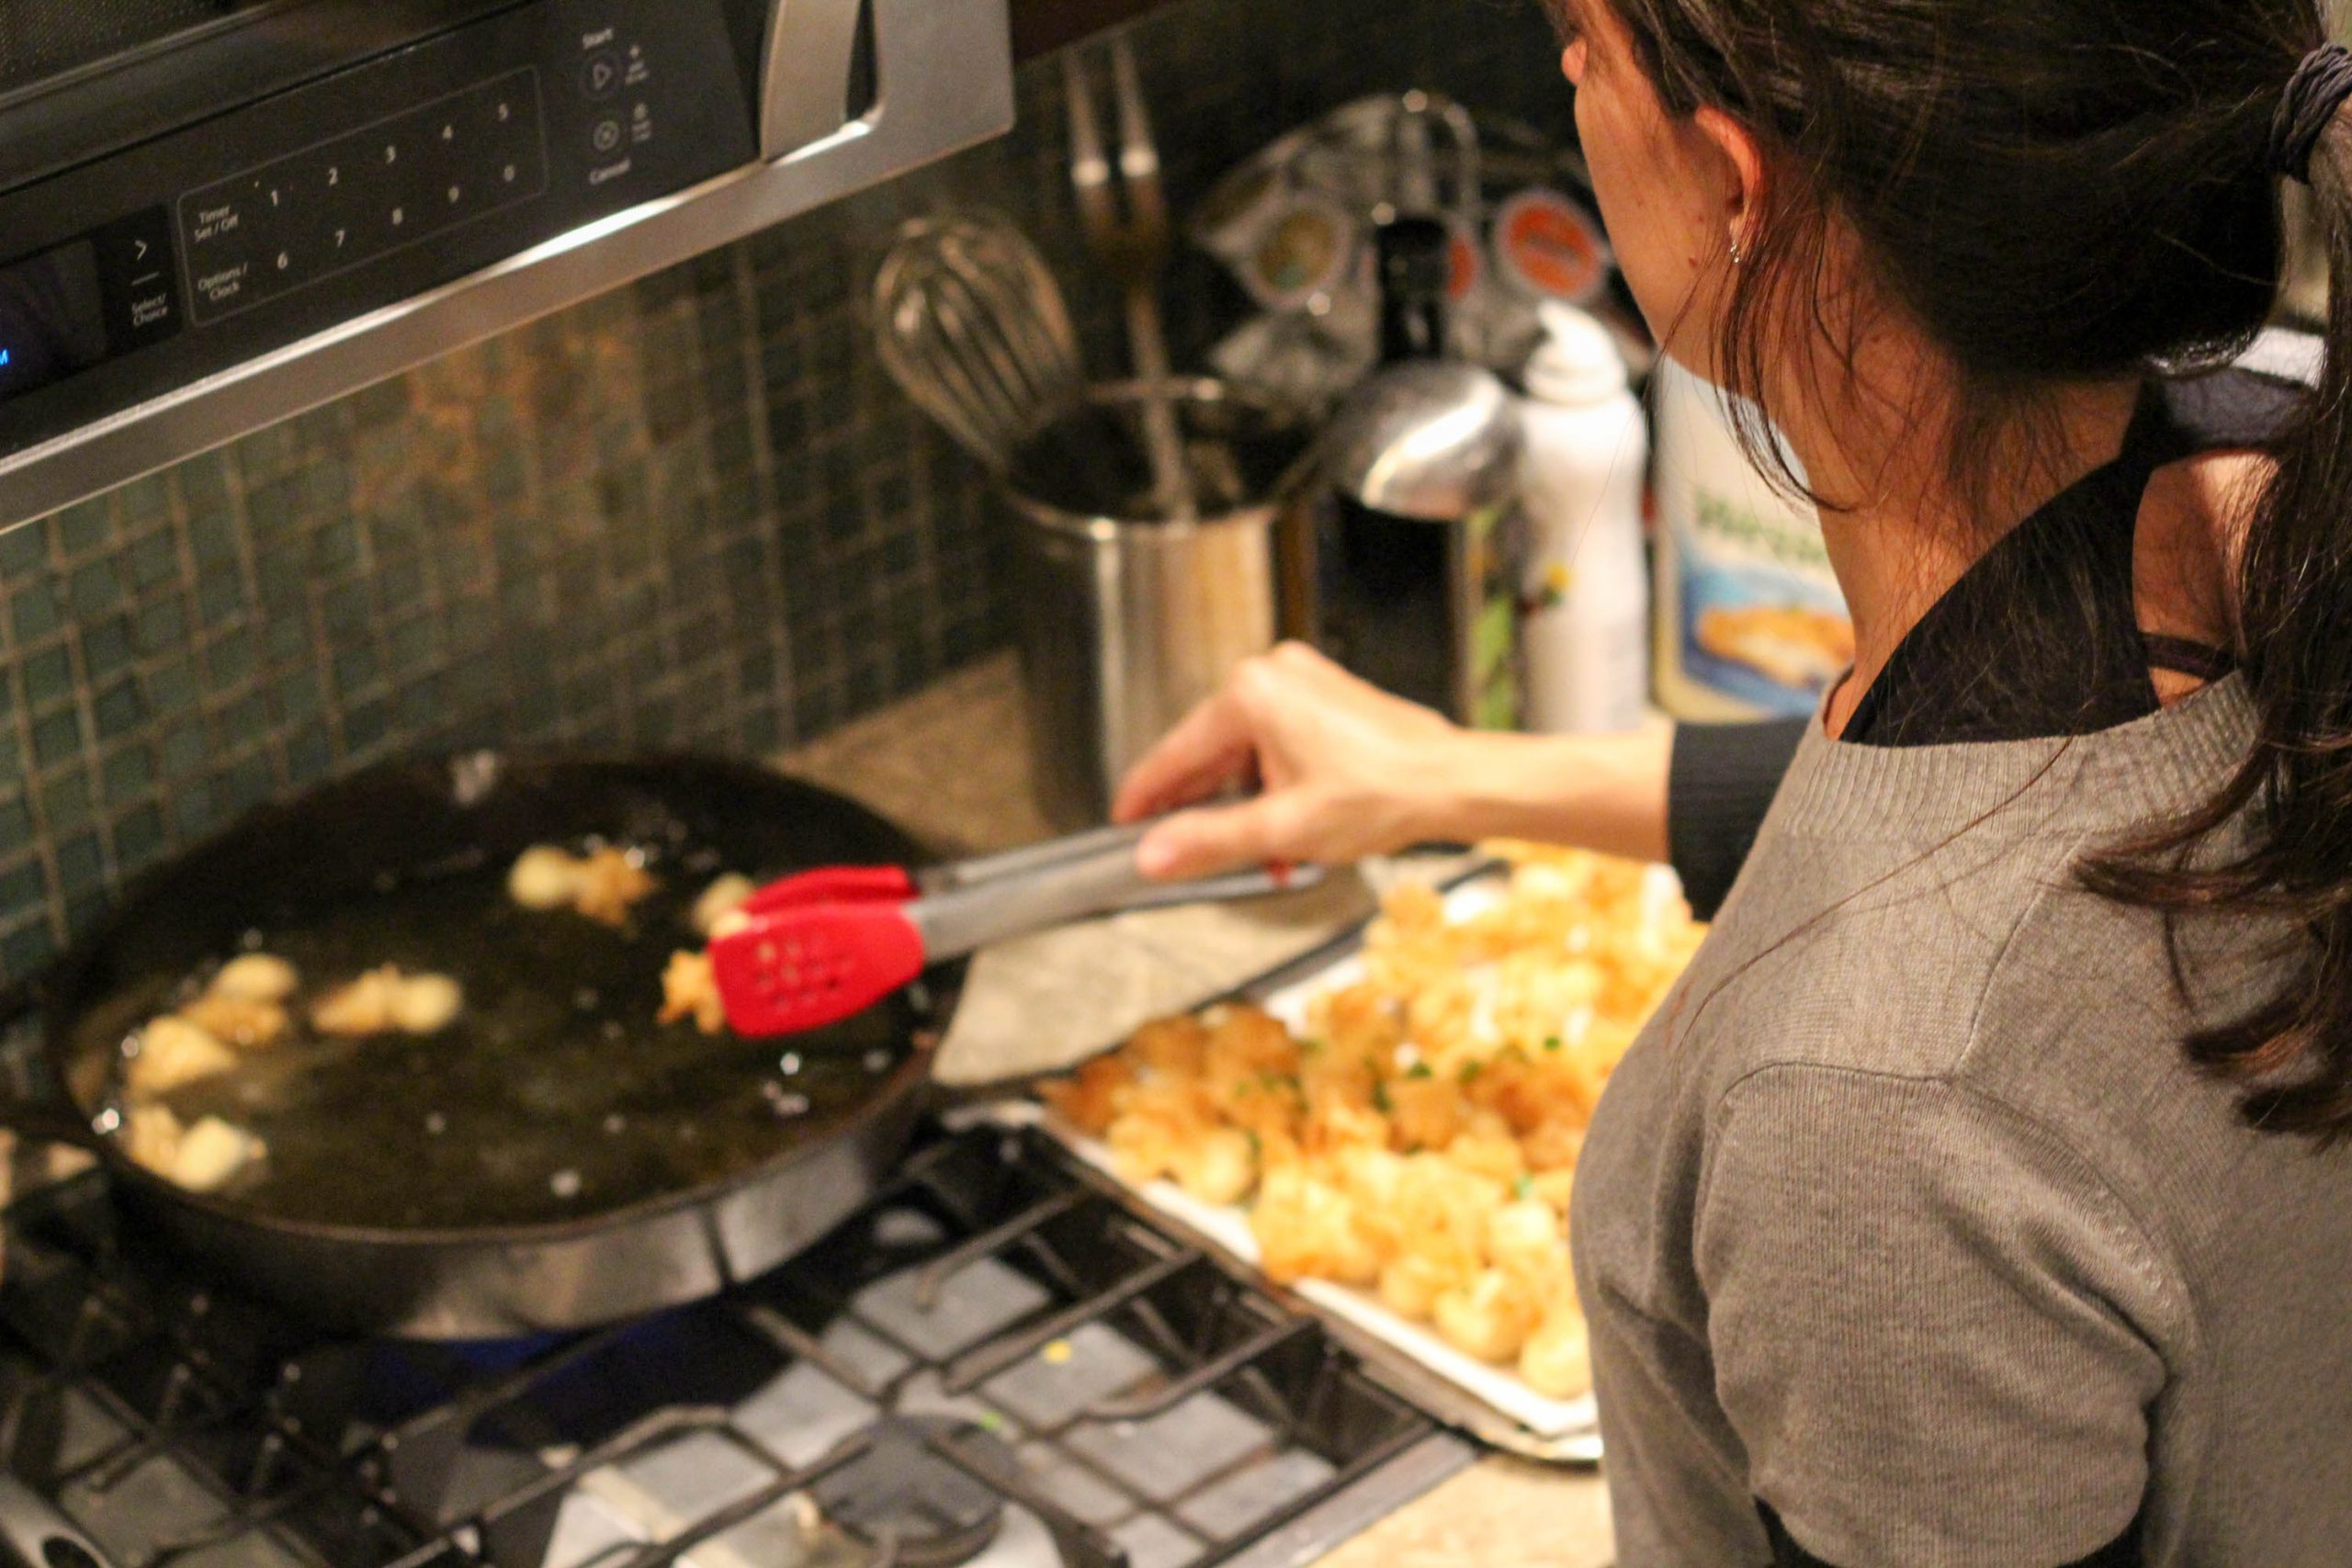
1551 247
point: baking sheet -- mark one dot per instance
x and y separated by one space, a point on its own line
1288 998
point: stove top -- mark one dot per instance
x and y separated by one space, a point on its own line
995 1363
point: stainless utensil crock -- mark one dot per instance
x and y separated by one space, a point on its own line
1129 619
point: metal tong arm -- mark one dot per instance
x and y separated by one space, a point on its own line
1099 880
896 885
1031 857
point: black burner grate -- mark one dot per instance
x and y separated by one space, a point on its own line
1157 1409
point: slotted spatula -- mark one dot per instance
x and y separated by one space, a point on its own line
816 948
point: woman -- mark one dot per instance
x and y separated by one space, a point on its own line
1972 1200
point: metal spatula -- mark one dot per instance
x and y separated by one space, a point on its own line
816 948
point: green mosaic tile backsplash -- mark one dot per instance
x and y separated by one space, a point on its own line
689 514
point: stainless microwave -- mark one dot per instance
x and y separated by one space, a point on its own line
216 213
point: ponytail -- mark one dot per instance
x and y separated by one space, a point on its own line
2292 1055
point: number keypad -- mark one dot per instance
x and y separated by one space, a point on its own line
311 215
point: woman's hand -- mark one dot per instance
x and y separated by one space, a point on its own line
1344 771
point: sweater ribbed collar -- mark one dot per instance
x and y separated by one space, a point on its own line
2118 778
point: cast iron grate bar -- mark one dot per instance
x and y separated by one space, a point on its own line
968 1372
940 1269
1144 1407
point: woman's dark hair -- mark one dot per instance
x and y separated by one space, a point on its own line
2074 191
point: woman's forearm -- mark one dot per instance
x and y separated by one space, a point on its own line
1598 792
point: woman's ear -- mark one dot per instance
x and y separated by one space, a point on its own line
1740 162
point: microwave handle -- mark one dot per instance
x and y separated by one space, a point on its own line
804 88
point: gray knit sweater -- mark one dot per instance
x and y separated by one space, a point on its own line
1908 1218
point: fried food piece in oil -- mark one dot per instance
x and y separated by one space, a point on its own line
172 1053
604 885
388 1000
690 990
242 1021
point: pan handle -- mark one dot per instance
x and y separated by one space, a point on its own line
31 1105
37 1535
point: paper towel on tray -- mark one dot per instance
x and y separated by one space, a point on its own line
1049 1001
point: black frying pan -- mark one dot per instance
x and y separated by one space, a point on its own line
554 1160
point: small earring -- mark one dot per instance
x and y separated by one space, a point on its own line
1738 252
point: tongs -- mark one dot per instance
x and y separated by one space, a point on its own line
816 948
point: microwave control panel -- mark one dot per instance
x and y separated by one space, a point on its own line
159 265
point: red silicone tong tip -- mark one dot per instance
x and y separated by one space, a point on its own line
834 885
801 968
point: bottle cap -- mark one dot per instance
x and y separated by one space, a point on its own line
1577 364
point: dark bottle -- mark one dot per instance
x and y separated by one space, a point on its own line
1416 267
1418 548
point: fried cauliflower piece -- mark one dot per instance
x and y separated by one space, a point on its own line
1556 1360
246 1005
1411 1285
690 990
723 897
427 1004
172 1054
1308 1228
242 1021
257 977
388 1000
1524 1239
205 1157
544 878
1172 1045
1219 1167
150 1136
1160 1119
214 1153
1490 1317
604 884
1089 1099
613 881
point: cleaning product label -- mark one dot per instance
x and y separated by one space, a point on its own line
1750 619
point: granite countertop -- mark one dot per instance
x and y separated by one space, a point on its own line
951 763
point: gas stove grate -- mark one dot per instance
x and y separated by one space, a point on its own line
1121 1400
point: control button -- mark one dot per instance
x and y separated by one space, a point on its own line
600 78
136 278
215 220
606 137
